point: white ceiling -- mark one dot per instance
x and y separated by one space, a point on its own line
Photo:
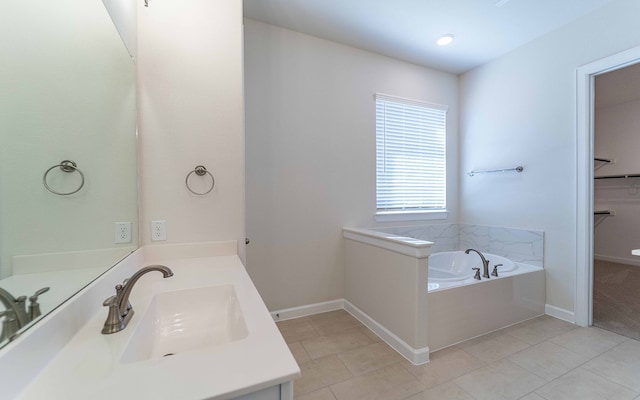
407 29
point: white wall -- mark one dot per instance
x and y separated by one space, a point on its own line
617 137
191 112
310 149
520 110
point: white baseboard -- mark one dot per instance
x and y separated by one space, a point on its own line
632 260
311 309
560 313
415 356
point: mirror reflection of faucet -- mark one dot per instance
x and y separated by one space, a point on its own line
15 313
120 310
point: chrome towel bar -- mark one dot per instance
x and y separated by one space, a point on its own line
518 169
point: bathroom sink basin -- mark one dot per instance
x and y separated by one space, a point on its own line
187 320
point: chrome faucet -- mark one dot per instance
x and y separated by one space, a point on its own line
120 310
16 315
485 263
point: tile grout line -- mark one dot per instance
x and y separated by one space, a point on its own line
609 380
577 367
337 356
529 346
560 376
332 392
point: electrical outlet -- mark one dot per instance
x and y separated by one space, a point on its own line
123 232
158 230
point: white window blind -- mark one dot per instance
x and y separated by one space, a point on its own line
410 155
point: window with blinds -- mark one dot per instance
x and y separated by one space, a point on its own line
410 156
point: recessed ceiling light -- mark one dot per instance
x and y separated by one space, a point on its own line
445 40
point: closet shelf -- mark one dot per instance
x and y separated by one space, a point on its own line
617 176
604 212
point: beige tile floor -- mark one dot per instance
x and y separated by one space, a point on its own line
543 358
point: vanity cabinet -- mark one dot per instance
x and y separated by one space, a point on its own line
278 392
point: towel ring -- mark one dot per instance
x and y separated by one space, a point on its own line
199 170
65 166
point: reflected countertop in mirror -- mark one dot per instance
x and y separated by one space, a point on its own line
67 85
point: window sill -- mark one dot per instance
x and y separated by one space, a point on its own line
410 216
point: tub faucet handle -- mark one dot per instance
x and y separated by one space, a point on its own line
495 269
477 275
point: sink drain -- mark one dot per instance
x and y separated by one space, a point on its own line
168 354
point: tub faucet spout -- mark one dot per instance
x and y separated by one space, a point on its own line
485 262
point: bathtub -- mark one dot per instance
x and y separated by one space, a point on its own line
450 268
420 302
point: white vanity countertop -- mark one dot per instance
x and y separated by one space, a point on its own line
90 366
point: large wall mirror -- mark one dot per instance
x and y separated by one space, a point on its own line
67 94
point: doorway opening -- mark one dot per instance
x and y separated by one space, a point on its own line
616 199
586 164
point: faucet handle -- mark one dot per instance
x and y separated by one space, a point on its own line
477 275
111 300
114 322
119 289
21 304
39 292
495 269
34 306
10 325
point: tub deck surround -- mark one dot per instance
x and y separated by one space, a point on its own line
406 245
386 283
382 280
519 245
474 308
91 365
